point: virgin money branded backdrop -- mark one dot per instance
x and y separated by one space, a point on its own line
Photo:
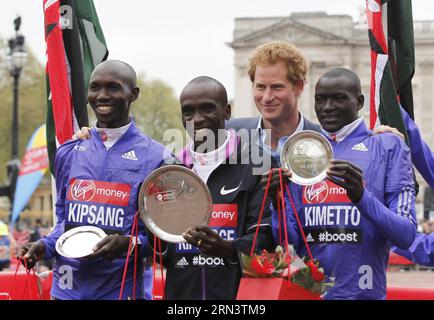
33 167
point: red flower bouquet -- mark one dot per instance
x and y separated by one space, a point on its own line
268 264
311 277
303 273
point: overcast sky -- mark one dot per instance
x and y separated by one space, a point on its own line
176 40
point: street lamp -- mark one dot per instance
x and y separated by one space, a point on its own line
15 61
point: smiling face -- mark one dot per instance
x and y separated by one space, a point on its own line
275 96
337 102
204 104
111 91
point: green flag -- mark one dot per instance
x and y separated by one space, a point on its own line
401 49
384 105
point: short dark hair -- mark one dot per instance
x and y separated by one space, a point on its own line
218 85
346 73
129 70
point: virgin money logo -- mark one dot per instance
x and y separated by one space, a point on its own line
83 190
316 193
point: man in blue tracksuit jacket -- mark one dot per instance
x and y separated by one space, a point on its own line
421 154
97 182
365 205
421 250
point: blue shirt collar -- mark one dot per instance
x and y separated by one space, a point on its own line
262 134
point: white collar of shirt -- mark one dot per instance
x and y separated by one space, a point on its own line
344 132
205 163
282 140
299 127
113 134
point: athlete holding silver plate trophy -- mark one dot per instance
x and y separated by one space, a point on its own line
357 206
213 205
98 183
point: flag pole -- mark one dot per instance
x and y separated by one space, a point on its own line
384 21
54 198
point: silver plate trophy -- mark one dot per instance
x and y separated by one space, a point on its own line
307 154
78 242
173 199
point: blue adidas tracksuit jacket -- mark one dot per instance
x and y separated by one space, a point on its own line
352 240
99 187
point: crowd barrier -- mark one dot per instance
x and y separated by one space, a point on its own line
403 293
397 260
30 291
25 287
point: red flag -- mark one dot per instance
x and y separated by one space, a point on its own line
384 105
57 73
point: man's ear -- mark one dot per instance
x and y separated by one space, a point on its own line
134 94
298 87
228 111
361 101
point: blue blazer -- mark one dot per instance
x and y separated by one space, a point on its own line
252 123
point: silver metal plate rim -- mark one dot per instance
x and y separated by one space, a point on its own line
163 235
296 178
68 234
307 182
